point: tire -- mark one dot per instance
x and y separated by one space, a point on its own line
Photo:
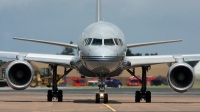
105 98
137 96
97 98
60 96
148 97
49 95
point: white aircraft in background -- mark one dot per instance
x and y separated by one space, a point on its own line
101 53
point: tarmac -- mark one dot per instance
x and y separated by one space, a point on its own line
82 100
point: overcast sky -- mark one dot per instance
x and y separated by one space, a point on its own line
64 21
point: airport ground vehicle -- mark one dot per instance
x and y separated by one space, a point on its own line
132 81
45 77
159 81
76 81
113 83
92 82
3 82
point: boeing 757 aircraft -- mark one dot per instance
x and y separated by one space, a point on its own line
101 53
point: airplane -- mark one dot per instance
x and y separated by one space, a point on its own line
101 53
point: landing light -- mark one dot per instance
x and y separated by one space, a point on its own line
101 95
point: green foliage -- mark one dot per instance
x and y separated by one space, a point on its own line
68 51
2 62
129 53
192 63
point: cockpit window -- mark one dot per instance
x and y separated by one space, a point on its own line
121 42
108 42
117 42
87 41
97 42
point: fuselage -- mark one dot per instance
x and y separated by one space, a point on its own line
102 47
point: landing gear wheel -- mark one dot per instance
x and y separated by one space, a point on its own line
49 96
97 98
137 96
105 98
60 96
148 97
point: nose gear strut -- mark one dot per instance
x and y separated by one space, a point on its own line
101 94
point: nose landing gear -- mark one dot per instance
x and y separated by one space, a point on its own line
101 94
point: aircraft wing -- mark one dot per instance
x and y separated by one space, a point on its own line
45 58
151 43
48 42
138 61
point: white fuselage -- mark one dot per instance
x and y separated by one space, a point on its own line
102 47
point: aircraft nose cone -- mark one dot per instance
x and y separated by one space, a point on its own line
103 52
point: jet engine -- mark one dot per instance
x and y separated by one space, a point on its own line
181 77
19 74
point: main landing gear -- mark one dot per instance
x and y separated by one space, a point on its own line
102 94
142 94
55 93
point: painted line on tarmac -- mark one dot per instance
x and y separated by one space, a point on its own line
108 106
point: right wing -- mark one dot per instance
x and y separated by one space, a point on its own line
65 60
48 42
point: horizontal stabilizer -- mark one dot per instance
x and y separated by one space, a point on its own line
151 43
48 42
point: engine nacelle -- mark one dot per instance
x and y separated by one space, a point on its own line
19 74
181 77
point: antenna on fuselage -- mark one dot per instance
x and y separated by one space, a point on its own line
98 16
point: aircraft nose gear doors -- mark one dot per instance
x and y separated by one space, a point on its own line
101 94
55 93
142 94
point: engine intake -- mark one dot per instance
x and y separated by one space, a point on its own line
19 74
181 77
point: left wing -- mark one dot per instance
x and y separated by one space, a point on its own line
151 43
138 61
45 58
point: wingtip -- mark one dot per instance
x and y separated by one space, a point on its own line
15 38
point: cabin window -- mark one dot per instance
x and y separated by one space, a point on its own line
87 41
108 42
97 42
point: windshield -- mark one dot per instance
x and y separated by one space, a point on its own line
87 41
108 42
97 42
117 42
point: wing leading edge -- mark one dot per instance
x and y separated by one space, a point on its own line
48 42
151 43
138 61
45 58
